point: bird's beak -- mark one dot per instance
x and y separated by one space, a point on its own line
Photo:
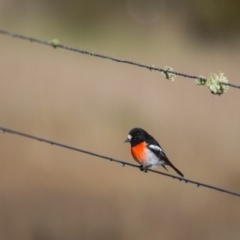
129 137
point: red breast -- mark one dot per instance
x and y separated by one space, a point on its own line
139 153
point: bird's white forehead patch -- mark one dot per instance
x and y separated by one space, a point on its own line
129 137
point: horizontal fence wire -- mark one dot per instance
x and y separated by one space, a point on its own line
123 163
54 43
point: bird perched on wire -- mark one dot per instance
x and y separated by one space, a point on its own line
147 151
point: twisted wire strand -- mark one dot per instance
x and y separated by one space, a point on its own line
123 163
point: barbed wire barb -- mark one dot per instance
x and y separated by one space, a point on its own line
56 44
123 163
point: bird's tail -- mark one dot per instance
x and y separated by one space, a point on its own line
176 170
167 162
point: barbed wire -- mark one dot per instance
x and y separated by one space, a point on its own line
56 44
123 163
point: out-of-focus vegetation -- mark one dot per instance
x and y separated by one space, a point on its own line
206 20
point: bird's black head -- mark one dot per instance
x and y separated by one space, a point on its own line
136 135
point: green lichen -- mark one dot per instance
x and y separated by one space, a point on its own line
168 75
201 81
217 83
54 42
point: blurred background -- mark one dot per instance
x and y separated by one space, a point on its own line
47 192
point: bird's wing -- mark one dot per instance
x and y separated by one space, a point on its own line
157 150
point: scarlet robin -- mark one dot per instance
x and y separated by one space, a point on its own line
147 151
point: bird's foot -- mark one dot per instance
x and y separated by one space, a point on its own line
144 168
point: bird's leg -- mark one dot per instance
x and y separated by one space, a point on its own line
144 168
141 167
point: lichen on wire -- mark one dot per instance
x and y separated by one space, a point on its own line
215 86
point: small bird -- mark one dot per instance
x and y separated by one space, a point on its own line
147 151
